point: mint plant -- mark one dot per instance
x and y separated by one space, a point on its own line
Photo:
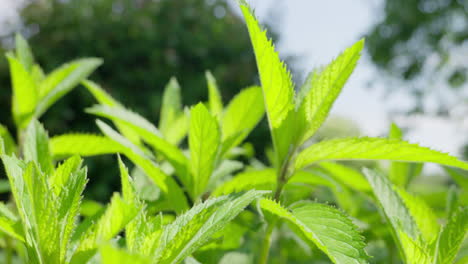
207 201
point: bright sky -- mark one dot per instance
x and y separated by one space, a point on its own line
319 30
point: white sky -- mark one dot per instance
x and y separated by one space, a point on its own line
317 31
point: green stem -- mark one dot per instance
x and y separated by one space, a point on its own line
281 182
266 243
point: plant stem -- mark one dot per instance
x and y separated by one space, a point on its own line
281 182
265 249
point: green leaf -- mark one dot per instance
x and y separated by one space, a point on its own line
414 252
225 169
62 173
278 88
112 255
117 215
8 142
346 176
128 191
63 80
24 53
256 179
175 195
69 197
24 92
172 120
149 133
105 99
100 94
452 236
84 145
204 142
215 102
11 228
36 147
193 229
373 149
405 212
401 173
460 177
328 228
422 214
325 88
242 114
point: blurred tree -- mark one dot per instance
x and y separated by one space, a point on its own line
143 43
423 43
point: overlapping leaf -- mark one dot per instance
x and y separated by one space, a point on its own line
193 229
204 142
329 229
241 116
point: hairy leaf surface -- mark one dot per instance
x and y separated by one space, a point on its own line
278 88
328 228
326 86
373 149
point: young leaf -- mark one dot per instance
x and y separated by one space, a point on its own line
63 172
36 147
452 236
242 114
373 149
278 88
193 229
214 97
204 141
328 228
24 92
63 80
325 88
84 145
